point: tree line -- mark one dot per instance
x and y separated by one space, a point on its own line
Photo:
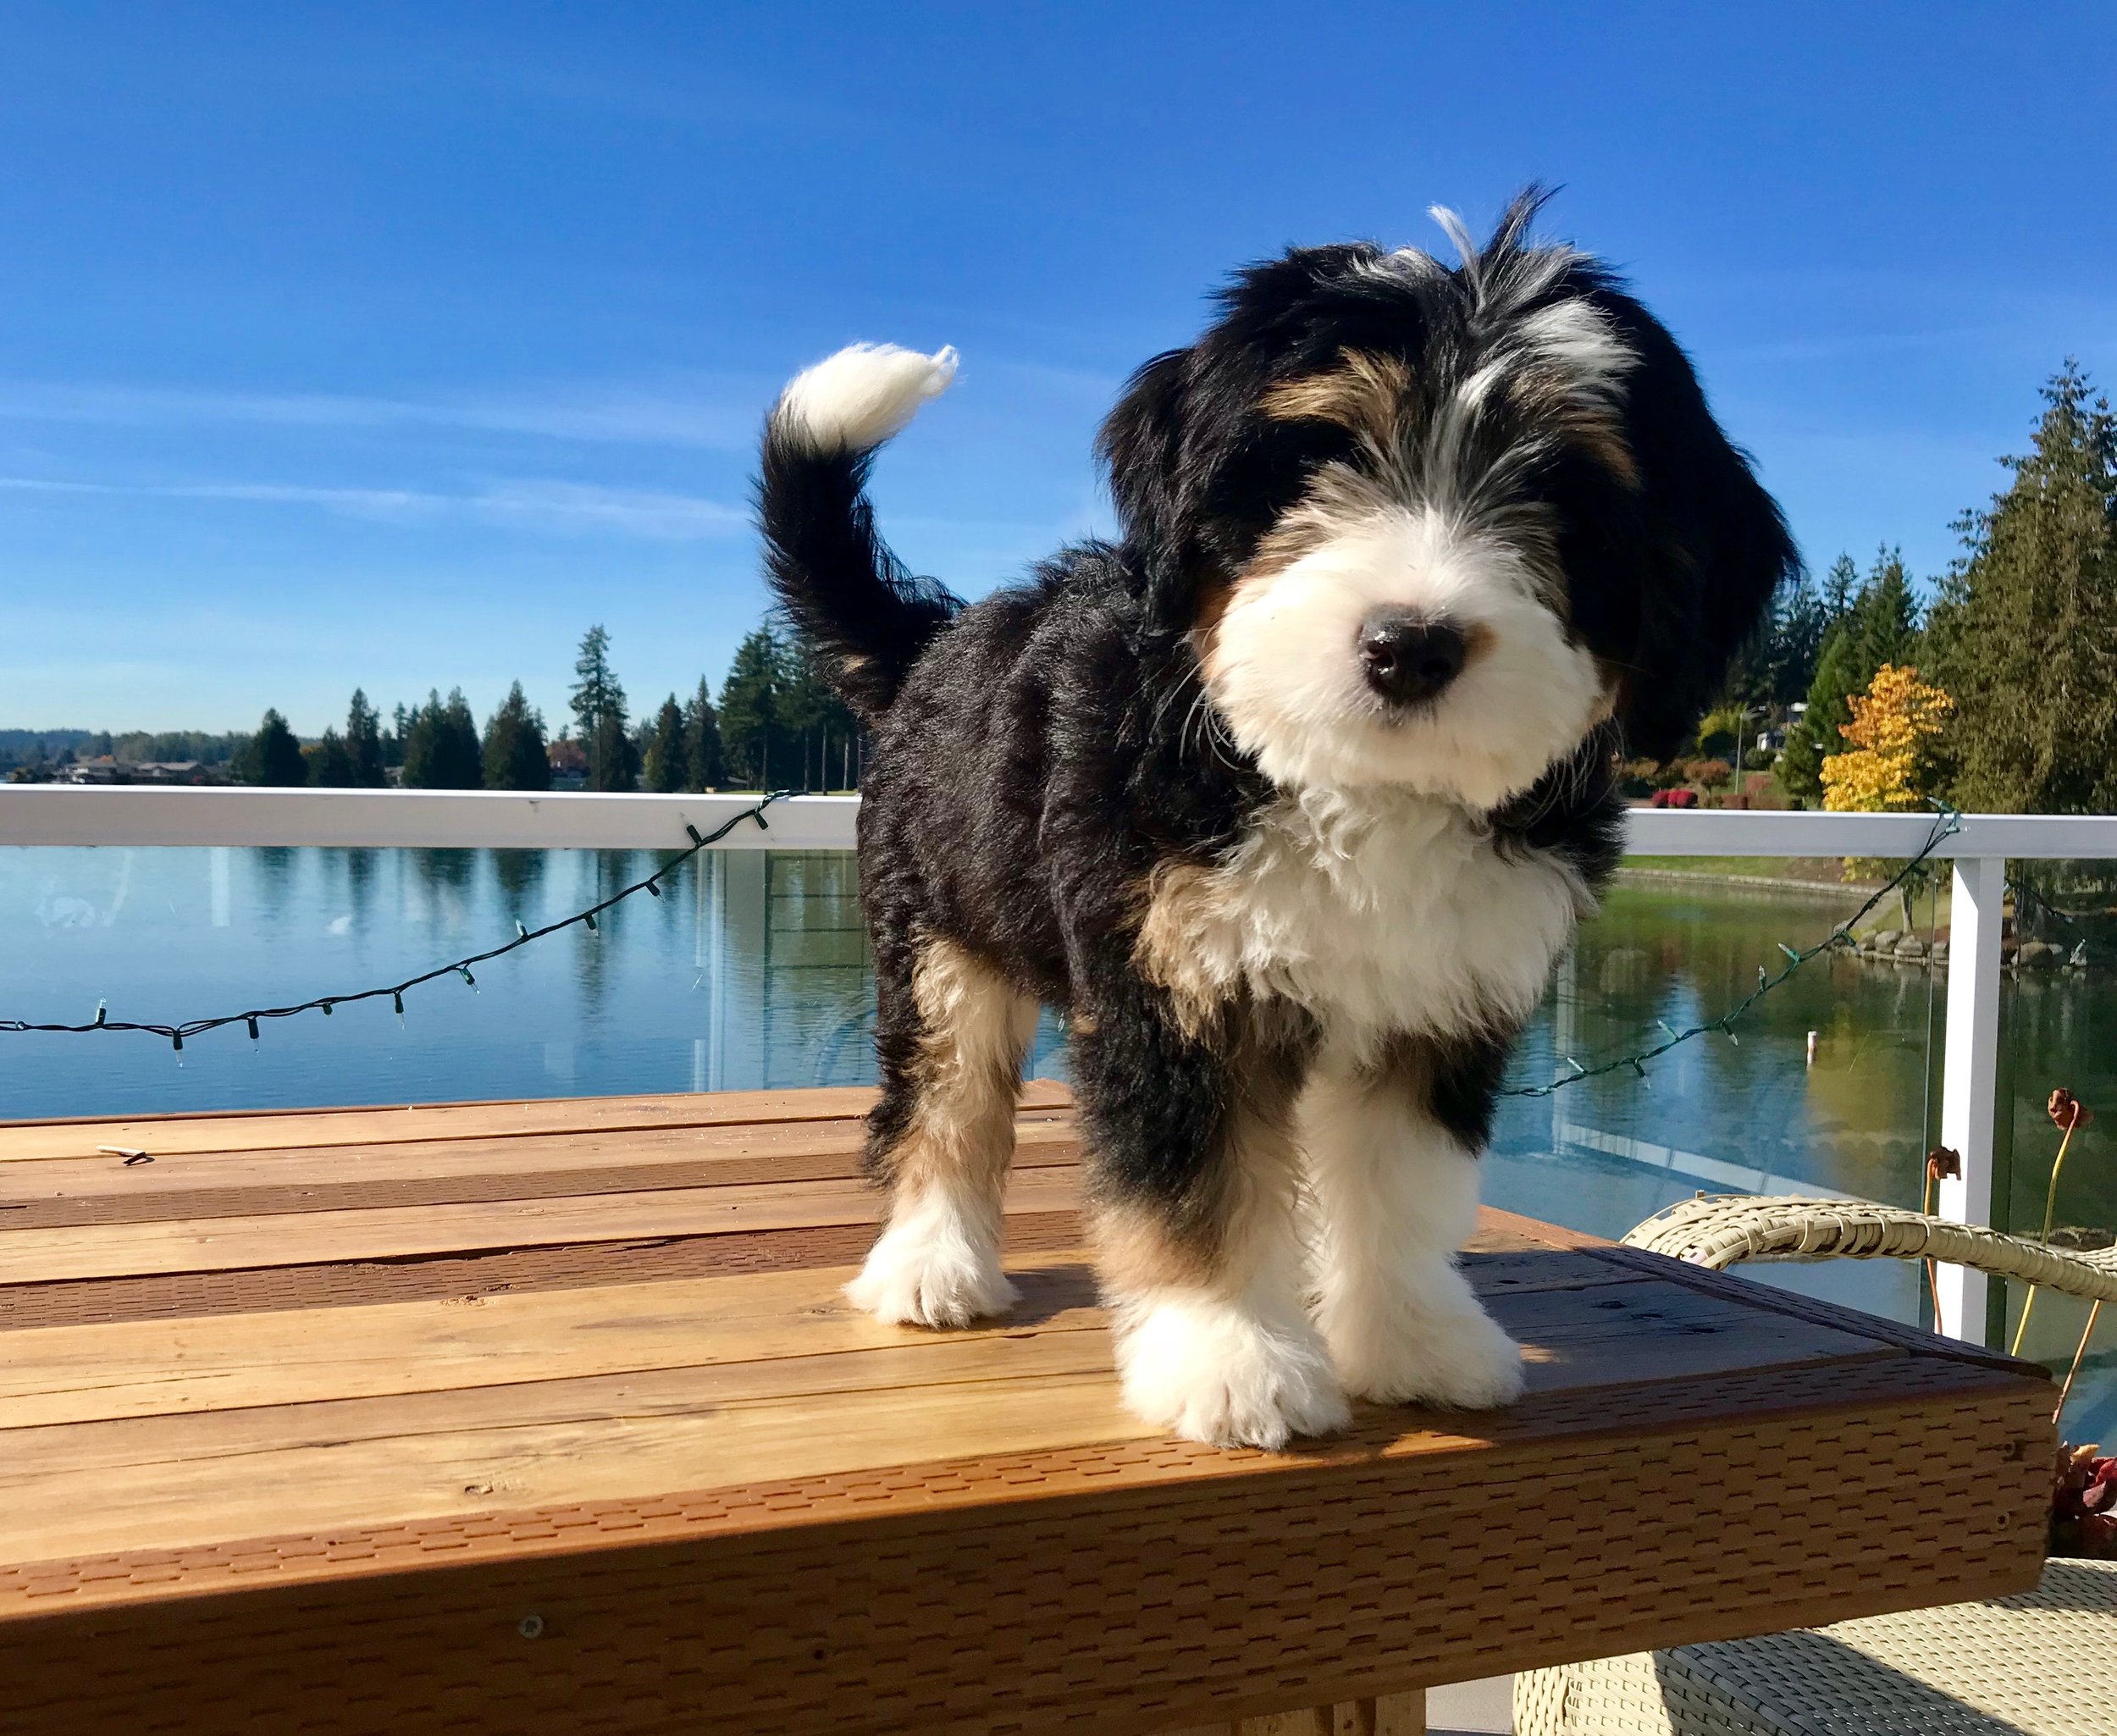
2012 669
775 725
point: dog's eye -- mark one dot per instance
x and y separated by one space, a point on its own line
1270 471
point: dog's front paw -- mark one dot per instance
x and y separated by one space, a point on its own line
1212 1371
1458 1361
919 1275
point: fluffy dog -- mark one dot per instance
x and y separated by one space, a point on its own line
1289 800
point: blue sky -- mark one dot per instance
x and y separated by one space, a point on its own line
393 345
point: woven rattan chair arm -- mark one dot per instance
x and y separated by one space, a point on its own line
1719 1230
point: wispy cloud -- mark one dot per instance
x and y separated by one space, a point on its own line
530 504
614 416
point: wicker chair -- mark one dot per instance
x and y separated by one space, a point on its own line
2043 1664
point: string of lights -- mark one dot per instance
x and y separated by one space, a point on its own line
395 992
1946 823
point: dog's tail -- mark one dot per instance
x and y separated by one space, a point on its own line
829 571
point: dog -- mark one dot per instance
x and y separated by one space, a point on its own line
1289 800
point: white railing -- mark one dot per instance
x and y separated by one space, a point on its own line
1980 848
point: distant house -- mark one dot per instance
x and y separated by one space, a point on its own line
569 763
178 772
102 769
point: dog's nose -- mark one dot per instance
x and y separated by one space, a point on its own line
1407 657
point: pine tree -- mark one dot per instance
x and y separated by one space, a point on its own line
813 721
330 766
664 767
1879 626
613 759
272 756
1841 584
440 747
2025 635
1885 617
393 743
702 754
599 711
749 710
363 744
1798 620
515 755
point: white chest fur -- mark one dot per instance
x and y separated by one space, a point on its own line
1379 914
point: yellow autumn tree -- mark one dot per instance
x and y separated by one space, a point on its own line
1885 767
1891 724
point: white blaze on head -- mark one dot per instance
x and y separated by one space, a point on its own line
1284 666
854 401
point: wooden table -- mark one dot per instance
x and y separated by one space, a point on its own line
549 1416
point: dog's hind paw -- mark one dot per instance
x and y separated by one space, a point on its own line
1211 1370
922 1275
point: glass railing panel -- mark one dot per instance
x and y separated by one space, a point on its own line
1756 1111
2059 1029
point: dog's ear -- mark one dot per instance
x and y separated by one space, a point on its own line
1142 446
1707 547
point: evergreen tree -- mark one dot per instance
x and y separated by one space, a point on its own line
702 755
515 755
814 723
665 765
613 759
393 743
1879 626
363 744
330 766
2025 634
1885 616
1841 584
440 746
749 710
599 711
272 756
1800 618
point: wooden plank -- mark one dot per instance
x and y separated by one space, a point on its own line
227 1362
104 1190
859 1398
229 1244
276 1129
220 1362
197 1479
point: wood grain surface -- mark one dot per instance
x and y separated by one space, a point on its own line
552 1416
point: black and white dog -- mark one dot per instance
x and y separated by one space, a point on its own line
1289 800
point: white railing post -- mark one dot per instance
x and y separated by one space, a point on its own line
1969 1076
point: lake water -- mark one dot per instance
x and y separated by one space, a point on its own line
752 971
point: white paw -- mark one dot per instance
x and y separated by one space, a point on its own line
923 1273
1212 1371
1459 1361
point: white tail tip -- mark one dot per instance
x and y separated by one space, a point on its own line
855 399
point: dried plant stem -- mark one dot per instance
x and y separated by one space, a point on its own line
2080 1352
2050 1205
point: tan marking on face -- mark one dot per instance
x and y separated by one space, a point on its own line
978 1028
1365 392
1552 399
